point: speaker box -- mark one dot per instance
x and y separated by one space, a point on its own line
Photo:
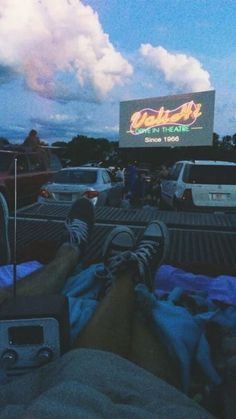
34 330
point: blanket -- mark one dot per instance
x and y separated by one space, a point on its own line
183 333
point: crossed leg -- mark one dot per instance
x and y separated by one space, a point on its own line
110 328
116 328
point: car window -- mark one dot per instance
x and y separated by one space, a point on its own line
36 163
106 177
203 174
54 162
175 171
5 161
76 176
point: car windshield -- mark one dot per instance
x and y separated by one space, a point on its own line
75 176
203 174
5 161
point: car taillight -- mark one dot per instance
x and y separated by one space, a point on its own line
91 194
45 193
187 195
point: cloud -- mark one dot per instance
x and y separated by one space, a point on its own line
58 120
62 118
53 42
184 72
51 129
66 125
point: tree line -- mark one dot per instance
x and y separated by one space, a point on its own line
82 149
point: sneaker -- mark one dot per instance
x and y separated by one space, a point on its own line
119 240
152 251
79 222
116 253
5 254
148 255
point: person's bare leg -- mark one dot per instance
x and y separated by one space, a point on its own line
109 329
148 351
50 278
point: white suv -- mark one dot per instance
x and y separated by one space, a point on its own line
202 184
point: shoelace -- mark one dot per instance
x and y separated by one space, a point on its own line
146 250
78 230
143 256
114 263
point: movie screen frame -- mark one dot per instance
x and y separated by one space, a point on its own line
168 121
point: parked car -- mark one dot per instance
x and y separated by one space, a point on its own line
201 184
33 169
71 183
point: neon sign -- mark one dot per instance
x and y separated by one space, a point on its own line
147 118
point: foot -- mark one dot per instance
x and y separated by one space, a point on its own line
79 222
116 252
152 251
148 255
5 254
119 240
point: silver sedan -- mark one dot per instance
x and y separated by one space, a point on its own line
94 183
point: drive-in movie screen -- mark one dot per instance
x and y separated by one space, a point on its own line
183 120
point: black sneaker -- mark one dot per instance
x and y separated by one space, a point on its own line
151 251
119 240
79 222
148 255
116 252
5 254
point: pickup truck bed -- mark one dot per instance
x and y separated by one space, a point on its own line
196 238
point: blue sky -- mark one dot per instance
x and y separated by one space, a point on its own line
66 64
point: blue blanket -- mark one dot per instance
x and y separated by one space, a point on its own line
221 288
182 332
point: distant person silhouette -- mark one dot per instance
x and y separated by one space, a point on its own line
32 140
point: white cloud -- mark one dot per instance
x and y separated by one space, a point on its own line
61 117
43 39
184 72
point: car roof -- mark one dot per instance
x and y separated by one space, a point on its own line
21 151
87 168
208 162
12 151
